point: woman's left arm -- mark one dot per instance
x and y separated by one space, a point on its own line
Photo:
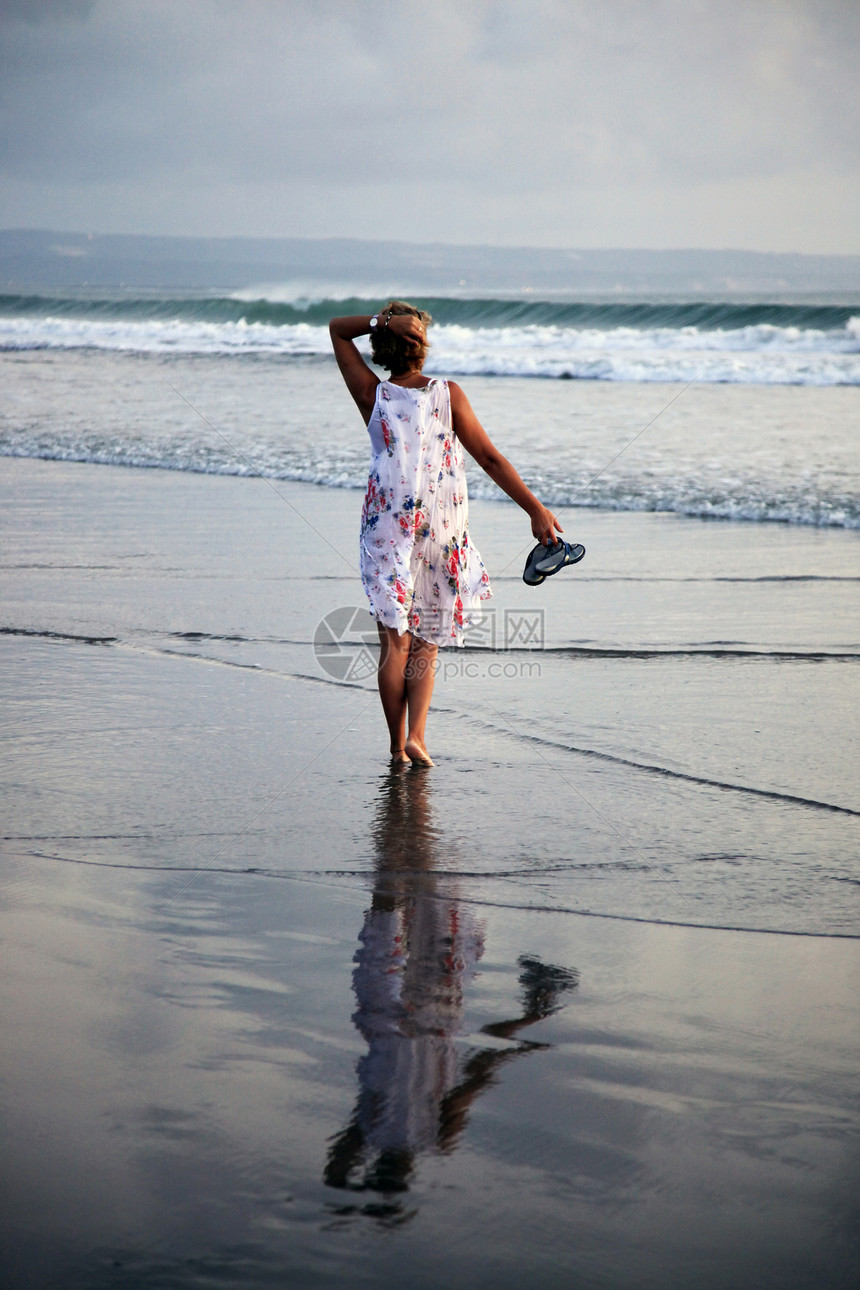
479 445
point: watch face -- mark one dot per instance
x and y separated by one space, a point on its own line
373 322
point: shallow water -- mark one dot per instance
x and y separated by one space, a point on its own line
670 742
754 452
274 1015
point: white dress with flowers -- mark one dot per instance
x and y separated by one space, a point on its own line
419 569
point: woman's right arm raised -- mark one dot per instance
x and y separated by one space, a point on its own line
360 380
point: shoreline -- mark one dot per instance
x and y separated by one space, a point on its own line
277 1013
588 698
739 452
450 876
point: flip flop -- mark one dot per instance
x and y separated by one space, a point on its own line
546 560
531 577
556 557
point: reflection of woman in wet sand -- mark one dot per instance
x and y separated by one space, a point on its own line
416 952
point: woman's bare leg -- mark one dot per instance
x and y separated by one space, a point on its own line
420 676
391 678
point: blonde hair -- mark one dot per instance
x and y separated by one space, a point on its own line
393 352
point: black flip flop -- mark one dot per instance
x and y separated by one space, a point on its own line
546 560
556 557
531 577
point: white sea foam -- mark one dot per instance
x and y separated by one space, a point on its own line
713 494
162 336
768 454
762 354
301 293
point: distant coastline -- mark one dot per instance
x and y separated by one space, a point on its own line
344 267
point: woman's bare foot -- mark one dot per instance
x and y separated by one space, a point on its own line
416 752
399 758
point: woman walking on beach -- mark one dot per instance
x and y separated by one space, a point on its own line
423 577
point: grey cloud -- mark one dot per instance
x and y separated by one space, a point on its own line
490 99
34 12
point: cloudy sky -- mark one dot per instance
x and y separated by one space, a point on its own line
606 123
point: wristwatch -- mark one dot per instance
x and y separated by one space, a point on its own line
374 322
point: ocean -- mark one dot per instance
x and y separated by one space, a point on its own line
782 448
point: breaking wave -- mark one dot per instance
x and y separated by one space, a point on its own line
816 345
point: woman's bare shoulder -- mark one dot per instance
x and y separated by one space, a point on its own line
457 395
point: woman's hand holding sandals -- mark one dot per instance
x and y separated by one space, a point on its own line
544 526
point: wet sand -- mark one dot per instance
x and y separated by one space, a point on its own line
274 1015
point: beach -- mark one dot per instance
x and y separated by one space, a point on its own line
573 1002
578 1006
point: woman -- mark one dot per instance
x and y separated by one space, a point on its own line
422 576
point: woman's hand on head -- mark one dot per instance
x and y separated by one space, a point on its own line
545 525
407 327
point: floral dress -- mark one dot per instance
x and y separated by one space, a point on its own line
419 569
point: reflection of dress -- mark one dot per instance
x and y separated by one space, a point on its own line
418 567
411 966
417 950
